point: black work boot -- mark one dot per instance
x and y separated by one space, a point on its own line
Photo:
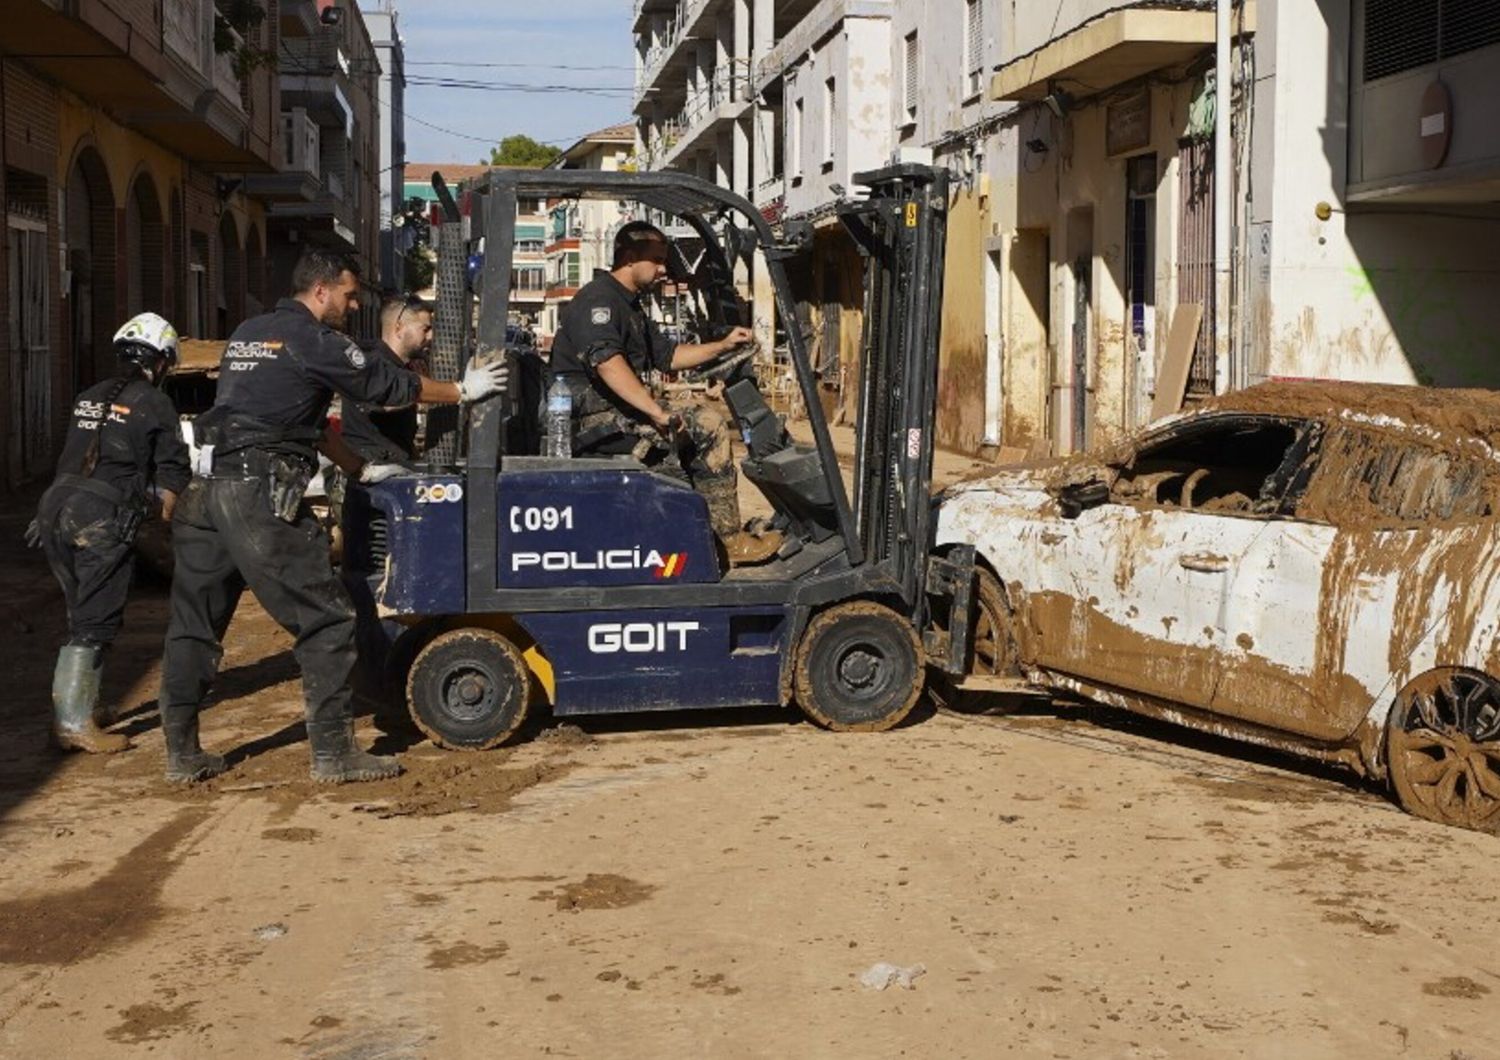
336 759
75 697
187 762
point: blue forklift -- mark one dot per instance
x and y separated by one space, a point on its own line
503 580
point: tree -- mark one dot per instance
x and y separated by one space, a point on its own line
522 151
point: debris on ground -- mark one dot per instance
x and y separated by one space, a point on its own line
883 974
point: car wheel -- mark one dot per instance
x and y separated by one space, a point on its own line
859 668
468 689
1443 749
994 651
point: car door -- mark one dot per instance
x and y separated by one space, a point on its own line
1330 605
1140 589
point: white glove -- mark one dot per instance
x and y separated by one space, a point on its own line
372 473
482 380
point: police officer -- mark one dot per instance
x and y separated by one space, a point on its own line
390 434
123 440
605 342
241 524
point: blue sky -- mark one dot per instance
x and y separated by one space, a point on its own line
535 37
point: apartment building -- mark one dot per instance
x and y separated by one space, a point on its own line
582 231
126 144
328 192
1360 203
383 23
528 281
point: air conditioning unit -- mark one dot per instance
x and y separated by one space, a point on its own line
301 141
911 156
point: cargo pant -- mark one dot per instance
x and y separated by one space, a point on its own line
699 455
90 557
226 538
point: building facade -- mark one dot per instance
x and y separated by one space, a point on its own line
390 111
123 173
581 232
328 193
528 281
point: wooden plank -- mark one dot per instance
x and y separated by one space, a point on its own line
1171 379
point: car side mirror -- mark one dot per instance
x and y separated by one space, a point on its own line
1076 497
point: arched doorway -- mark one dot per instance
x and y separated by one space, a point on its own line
229 277
90 235
146 249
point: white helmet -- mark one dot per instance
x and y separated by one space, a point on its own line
147 340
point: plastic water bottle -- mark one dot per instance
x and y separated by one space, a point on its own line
558 423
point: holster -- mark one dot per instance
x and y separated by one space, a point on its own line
288 479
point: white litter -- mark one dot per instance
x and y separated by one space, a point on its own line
267 932
884 974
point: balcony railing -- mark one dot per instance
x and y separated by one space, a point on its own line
686 14
730 84
301 140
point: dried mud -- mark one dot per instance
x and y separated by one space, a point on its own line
150 1022
597 891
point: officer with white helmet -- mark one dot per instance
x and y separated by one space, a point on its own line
123 443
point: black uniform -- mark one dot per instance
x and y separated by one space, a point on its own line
280 372
123 439
602 321
381 435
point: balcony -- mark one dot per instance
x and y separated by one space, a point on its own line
724 99
802 36
644 9
315 77
691 20
166 82
299 178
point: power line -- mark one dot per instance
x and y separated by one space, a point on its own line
515 86
512 66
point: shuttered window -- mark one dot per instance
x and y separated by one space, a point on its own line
909 97
974 47
1403 35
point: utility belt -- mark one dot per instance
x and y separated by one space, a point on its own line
238 446
129 511
286 475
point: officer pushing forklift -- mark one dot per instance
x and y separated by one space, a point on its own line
241 522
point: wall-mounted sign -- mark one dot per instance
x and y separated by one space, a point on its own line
1127 123
1437 124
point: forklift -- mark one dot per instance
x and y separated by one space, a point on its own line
504 580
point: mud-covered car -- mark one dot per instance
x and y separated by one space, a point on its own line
1310 567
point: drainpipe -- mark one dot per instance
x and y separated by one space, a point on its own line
1226 375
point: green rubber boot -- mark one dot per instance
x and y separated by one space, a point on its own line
75 697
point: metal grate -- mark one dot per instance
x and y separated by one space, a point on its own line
1403 35
909 99
1195 255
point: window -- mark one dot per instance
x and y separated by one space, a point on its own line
1228 465
830 119
1374 477
909 68
530 246
974 47
795 147
572 269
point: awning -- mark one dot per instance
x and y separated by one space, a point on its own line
1116 47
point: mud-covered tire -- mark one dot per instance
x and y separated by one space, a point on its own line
859 668
468 689
992 652
1443 749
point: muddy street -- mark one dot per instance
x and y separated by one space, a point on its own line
1072 884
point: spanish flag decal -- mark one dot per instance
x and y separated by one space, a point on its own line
672 565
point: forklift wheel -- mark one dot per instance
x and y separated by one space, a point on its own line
468 689
859 668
